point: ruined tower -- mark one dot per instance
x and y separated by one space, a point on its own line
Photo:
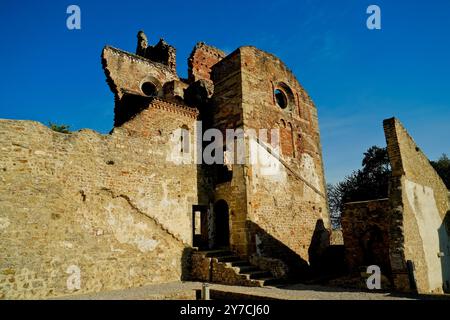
275 215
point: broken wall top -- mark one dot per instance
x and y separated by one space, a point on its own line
408 160
201 60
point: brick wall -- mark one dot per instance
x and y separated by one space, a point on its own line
274 216
201 60
366 234
285 213
227 106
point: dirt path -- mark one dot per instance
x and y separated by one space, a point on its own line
186 290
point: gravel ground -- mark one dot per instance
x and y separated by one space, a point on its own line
165 291
309 292
186 291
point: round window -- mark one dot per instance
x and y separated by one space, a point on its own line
281 99
149 89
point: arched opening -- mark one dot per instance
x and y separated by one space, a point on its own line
222 224
283 96
149 89
280 98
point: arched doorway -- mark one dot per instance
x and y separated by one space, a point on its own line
222 224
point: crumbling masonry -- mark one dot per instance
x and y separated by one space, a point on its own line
126 209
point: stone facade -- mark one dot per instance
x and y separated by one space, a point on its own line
275 266
202 59
111 206
271 215
125 209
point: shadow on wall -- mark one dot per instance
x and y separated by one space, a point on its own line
129 106
444 246
186 265
298 268
373 243
325 260
320 241
267 246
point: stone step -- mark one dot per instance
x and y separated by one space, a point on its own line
241 263
269 281
217 253
242 268
229 258
259 274
247 268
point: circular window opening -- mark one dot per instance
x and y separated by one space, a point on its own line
281 99
149 89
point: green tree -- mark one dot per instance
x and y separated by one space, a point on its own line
368 183
334 204
442 167
59 128
371 181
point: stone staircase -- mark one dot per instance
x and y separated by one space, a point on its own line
225 267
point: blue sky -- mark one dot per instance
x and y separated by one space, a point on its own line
356 77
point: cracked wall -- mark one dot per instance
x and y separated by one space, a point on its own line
111 205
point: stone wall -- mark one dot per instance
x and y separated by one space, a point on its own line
209 269
275 266
337 237
116 208
366 234
420 205
287 210
275 215
227 110
128 74
201 60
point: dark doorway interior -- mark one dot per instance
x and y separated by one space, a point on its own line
222 224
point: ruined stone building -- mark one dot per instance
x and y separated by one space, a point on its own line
126 209
85 212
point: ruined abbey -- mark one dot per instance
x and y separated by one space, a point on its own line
136 206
